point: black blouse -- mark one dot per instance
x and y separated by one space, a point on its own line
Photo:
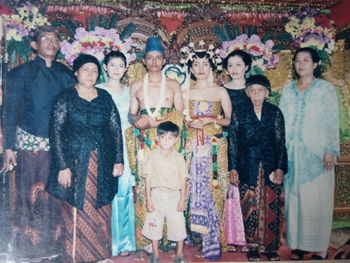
238 98
253 141
77 127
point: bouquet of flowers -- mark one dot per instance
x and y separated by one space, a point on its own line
310 28
18 27
96 43
261 53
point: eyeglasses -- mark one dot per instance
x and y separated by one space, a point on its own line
50 39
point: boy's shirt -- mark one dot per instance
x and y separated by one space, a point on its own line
165 170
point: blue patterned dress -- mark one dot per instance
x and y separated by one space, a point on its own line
312 128
123 212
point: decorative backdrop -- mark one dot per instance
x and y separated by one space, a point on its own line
270 31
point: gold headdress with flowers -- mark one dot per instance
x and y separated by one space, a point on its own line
188 54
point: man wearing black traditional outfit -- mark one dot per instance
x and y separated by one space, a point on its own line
29 93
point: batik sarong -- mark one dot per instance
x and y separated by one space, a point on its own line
207 149
262 213
36 222
87 232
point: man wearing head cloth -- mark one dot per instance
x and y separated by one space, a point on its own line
30 91
154 99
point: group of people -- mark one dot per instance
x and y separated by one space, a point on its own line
82 150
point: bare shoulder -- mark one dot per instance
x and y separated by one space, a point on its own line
134 87
173 84
219 88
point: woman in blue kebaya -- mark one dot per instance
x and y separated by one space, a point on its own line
310 107
123 222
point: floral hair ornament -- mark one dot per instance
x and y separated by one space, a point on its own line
188 53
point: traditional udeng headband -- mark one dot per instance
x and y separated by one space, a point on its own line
188 53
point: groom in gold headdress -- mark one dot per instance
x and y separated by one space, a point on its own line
153 100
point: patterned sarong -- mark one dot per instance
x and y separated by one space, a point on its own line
207 150
203 212
93 226
36 221
261 214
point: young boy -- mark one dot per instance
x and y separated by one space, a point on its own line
166 173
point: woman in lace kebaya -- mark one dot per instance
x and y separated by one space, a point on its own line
310 107
207 146
123 210
87 156
259 161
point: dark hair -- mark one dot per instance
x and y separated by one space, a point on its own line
36 34
115 54
201 54
83 59
247 59
166 127
315 59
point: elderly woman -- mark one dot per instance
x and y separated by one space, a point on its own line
87 150
205 103
259 161
310 107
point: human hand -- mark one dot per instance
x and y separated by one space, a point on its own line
150 208
234 177
196 124
142 122
118 169
207 121
328 161
250 194
181 206
8 161
65 177
278 176
153 122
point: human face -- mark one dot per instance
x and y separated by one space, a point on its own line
201 68
116 68
236 67
304 65
167 140
47 45
257 94
154 61
87 74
